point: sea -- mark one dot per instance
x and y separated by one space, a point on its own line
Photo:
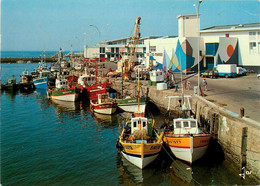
61 143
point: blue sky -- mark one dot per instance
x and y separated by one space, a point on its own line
51 24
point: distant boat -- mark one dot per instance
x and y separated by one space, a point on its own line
26 84
102 105
21 62
11 85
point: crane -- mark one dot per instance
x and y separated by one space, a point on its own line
128 61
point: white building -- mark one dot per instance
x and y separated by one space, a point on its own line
228 44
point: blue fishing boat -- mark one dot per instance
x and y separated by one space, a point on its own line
41 81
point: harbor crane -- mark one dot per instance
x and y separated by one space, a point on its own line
127 62
131 60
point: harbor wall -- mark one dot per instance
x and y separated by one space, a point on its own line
32 59
238 136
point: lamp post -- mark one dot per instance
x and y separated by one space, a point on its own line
96 28
197 12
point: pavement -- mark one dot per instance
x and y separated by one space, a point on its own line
230 93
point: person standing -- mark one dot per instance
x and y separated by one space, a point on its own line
205 85
188 85
123 123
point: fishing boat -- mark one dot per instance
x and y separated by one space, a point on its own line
102 105
88 82
41 81
11 85
26 83
186 140
131 104
63 91
141 144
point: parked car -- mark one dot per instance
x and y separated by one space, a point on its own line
210 74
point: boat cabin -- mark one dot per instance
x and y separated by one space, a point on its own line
139 123
156 76
186 126
102 98
87 80
61 83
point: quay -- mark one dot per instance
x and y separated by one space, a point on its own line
26 59
237 135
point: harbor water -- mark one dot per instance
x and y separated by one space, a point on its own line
62 143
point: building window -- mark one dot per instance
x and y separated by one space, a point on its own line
152 48
258 47
102 50
252 35
252 47
144 50
227 35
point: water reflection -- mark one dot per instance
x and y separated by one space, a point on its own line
132 175
10 94
106 119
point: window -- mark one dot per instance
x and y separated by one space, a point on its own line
252 47
134 124
186 124
144 123
152 48
258 47
102 50
178 124
193 124
252 35
144 50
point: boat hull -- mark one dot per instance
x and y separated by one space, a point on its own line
190 148
41 83
69 94
141 154
138 161
131 105
105 108
94 90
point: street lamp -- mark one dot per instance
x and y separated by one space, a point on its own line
197 11
97 29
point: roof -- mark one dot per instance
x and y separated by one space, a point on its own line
234 27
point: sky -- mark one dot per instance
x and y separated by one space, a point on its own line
37 25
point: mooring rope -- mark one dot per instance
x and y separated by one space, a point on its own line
179 166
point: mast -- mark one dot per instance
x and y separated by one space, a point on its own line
138 89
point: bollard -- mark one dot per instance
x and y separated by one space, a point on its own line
242 112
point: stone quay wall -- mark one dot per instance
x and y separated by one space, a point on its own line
238 136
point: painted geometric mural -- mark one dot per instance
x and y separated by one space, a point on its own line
182 60
227 52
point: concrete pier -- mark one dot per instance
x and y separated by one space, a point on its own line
225 126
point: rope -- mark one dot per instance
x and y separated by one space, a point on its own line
178 165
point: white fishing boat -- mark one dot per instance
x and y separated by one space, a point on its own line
102 105
63 91
186 141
